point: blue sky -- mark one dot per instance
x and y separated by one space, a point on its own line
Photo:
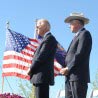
22 15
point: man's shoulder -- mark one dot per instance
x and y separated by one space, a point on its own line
50 35
85 32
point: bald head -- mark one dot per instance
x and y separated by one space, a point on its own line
43 26
44 21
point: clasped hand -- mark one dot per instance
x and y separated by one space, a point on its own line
64 71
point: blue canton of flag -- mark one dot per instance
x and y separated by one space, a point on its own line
16 41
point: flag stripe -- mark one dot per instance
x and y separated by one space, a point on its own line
11 61
25 55
34 42
13 65
16 74
16 58
30 49
17 70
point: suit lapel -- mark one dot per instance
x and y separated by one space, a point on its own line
69 46
75 38
43 41
45 37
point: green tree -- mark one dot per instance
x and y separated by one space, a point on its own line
26 89
95 83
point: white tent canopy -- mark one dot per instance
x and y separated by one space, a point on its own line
95 93
62 93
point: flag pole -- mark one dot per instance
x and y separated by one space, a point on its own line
35 33
2 83
7 27
35 36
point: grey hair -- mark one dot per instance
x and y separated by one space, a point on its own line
47 22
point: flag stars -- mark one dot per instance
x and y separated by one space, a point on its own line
16 41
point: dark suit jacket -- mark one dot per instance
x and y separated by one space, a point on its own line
77 57
42 68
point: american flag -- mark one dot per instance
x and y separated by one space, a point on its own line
18 55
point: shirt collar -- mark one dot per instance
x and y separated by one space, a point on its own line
78 31
46 33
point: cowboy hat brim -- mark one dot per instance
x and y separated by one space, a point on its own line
68 19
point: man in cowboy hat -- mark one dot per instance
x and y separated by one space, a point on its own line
77 58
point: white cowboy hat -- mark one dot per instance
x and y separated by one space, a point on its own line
79 16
